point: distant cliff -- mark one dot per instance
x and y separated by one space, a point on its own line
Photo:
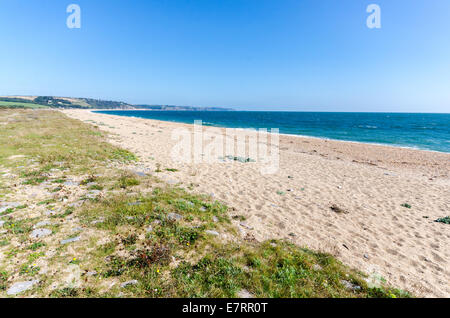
88 103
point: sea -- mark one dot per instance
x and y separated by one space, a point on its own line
410 130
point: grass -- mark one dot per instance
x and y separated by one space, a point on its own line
4 104
142 229
445 220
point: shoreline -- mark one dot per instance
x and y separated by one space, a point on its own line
281 134
371 182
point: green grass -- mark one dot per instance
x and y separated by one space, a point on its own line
20 105
54 141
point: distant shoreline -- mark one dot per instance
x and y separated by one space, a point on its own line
417 148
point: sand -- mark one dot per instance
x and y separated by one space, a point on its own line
370 182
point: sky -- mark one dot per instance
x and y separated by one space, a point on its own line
293 55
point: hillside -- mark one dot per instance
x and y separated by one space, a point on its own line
87 103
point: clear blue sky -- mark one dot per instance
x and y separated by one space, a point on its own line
247 54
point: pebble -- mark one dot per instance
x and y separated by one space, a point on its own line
134 203
243 293
215 219
91 273
174 216
42 224
366 256
38 233
20 287
245 225
140 173
214 233
126 284
350 286
1 223
70 240
149 229
70 183
101 220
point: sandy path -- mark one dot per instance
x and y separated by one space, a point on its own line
377 236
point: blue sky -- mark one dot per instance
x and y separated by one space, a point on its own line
313 55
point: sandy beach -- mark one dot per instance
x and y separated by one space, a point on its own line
375 234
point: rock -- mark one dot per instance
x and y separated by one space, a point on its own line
215 219
70 183
134 203
174 216
246 226
156 222
126 284
90 184
42 224
214 233
317 267
366 256
8 205
18 288
91 273
203 209
100 220
70 240
93 194
243 293
140 173
292 234
1 223
50 212
38 233
350 286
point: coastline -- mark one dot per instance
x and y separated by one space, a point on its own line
377 236
281 134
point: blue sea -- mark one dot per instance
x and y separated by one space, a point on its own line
420 131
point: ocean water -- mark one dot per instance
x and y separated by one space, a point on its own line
420 131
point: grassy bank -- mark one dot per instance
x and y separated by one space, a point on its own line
79 220
5 105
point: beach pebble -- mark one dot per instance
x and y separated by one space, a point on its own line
214 233
70 183
38 233
101 220
129 283
140 173
20 287
70 240
91 273
350 286
42 224
174 216
243 293
245 225
134 203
